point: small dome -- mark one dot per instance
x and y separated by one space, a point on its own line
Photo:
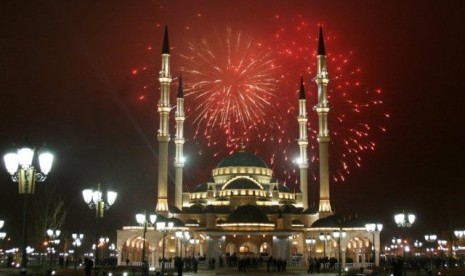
191 222
195 209
248 214
201 188
283 189
290 209
242 183
355 223
242 159
176 222
327 222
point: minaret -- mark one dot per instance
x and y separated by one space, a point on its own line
164 78
303 143
179 141
322 108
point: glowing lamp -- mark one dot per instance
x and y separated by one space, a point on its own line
11 162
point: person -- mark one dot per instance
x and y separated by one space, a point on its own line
145 267
397 266
127 262
178 263
88 264
195 264
310 266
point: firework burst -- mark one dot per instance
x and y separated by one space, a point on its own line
354 106
230 85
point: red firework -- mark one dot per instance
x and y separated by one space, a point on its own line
239 88
354 106
230 85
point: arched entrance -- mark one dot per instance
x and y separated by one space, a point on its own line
131 253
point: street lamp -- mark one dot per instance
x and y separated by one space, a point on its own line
339 234
94 199
145 220
2 234
77 241
324 238
310 242
102 242
19 166
53 236
460 234
183 237
430 239
164 228
374 228
404 220
194 242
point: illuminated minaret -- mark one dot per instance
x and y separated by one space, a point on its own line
303 143
179 141
164 78
322 108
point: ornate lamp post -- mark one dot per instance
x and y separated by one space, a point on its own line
183 237
77 241
2 234
404 220
19 166
430 240
53 236
94 199
310 242
417 244
460 234
194 242
442 246
145 220
164 228
374 228
338 235
102 242
324 238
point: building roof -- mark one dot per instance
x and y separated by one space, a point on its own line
248 214
242 159
335 221
242 183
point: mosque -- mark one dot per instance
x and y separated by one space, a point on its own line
243 209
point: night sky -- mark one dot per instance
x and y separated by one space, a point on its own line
66 81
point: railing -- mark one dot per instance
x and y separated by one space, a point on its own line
156 266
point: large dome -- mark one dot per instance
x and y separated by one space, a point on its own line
242 159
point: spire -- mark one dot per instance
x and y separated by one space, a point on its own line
166 43
302 89
180 93
321 44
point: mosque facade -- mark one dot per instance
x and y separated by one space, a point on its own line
243 209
